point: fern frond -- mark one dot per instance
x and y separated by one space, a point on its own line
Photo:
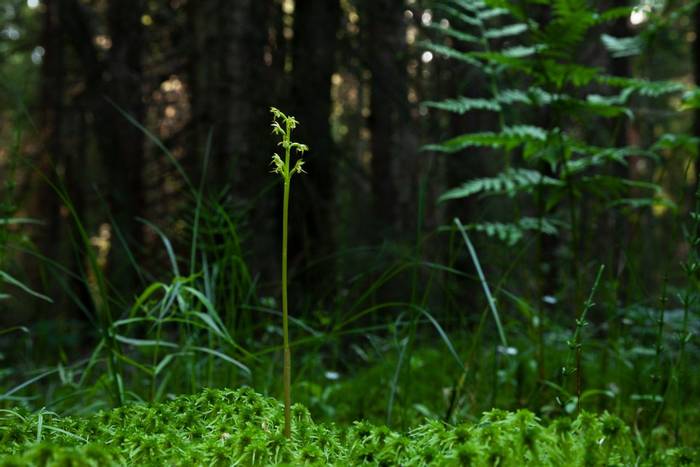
506 31
512 233
506 56
509 181
451 52
562 73
622 46
455 33
509 138
639 203
608 186
595 157
456 14
493 13
671 141
613 14
462 105
534 96
571 21
472 6
513 96
642 87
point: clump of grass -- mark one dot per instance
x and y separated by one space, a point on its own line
283 125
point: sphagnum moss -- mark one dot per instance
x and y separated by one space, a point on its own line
216 433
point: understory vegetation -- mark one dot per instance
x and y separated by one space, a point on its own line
501 269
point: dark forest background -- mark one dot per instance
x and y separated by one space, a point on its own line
130 127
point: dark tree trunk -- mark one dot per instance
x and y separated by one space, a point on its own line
52 156
202 69
232 90
234 76
388 123
316 25
52 92
122 143
109 83
696 116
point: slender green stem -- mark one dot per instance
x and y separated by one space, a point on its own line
285 311
285 169
576 344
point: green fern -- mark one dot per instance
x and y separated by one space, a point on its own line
512 233
510 181
509 138
531 66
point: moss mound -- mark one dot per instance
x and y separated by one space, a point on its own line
226 427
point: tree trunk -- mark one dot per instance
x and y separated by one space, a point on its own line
122 142
234 75
52 156
109 83
316 25
388 121
696 116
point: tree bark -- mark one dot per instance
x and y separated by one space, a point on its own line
52 155
389 121
235 73
110 82
316 25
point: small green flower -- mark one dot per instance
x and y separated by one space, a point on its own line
283 125
279 164
298 167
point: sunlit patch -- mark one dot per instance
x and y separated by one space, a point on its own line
11 32
102 242
103 41
549 300
411 34
172 84
510 351
639 15
426 18
38 55
32 3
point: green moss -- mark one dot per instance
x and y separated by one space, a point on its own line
226 427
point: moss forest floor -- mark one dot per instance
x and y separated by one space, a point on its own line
241 427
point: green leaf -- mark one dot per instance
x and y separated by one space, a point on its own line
224 357
144 342
506 31
512 233
508 138
5 277
450 52
622 46
455 33
509 181
462 105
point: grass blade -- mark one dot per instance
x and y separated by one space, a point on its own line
484 284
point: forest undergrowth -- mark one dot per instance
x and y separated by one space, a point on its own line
510 335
